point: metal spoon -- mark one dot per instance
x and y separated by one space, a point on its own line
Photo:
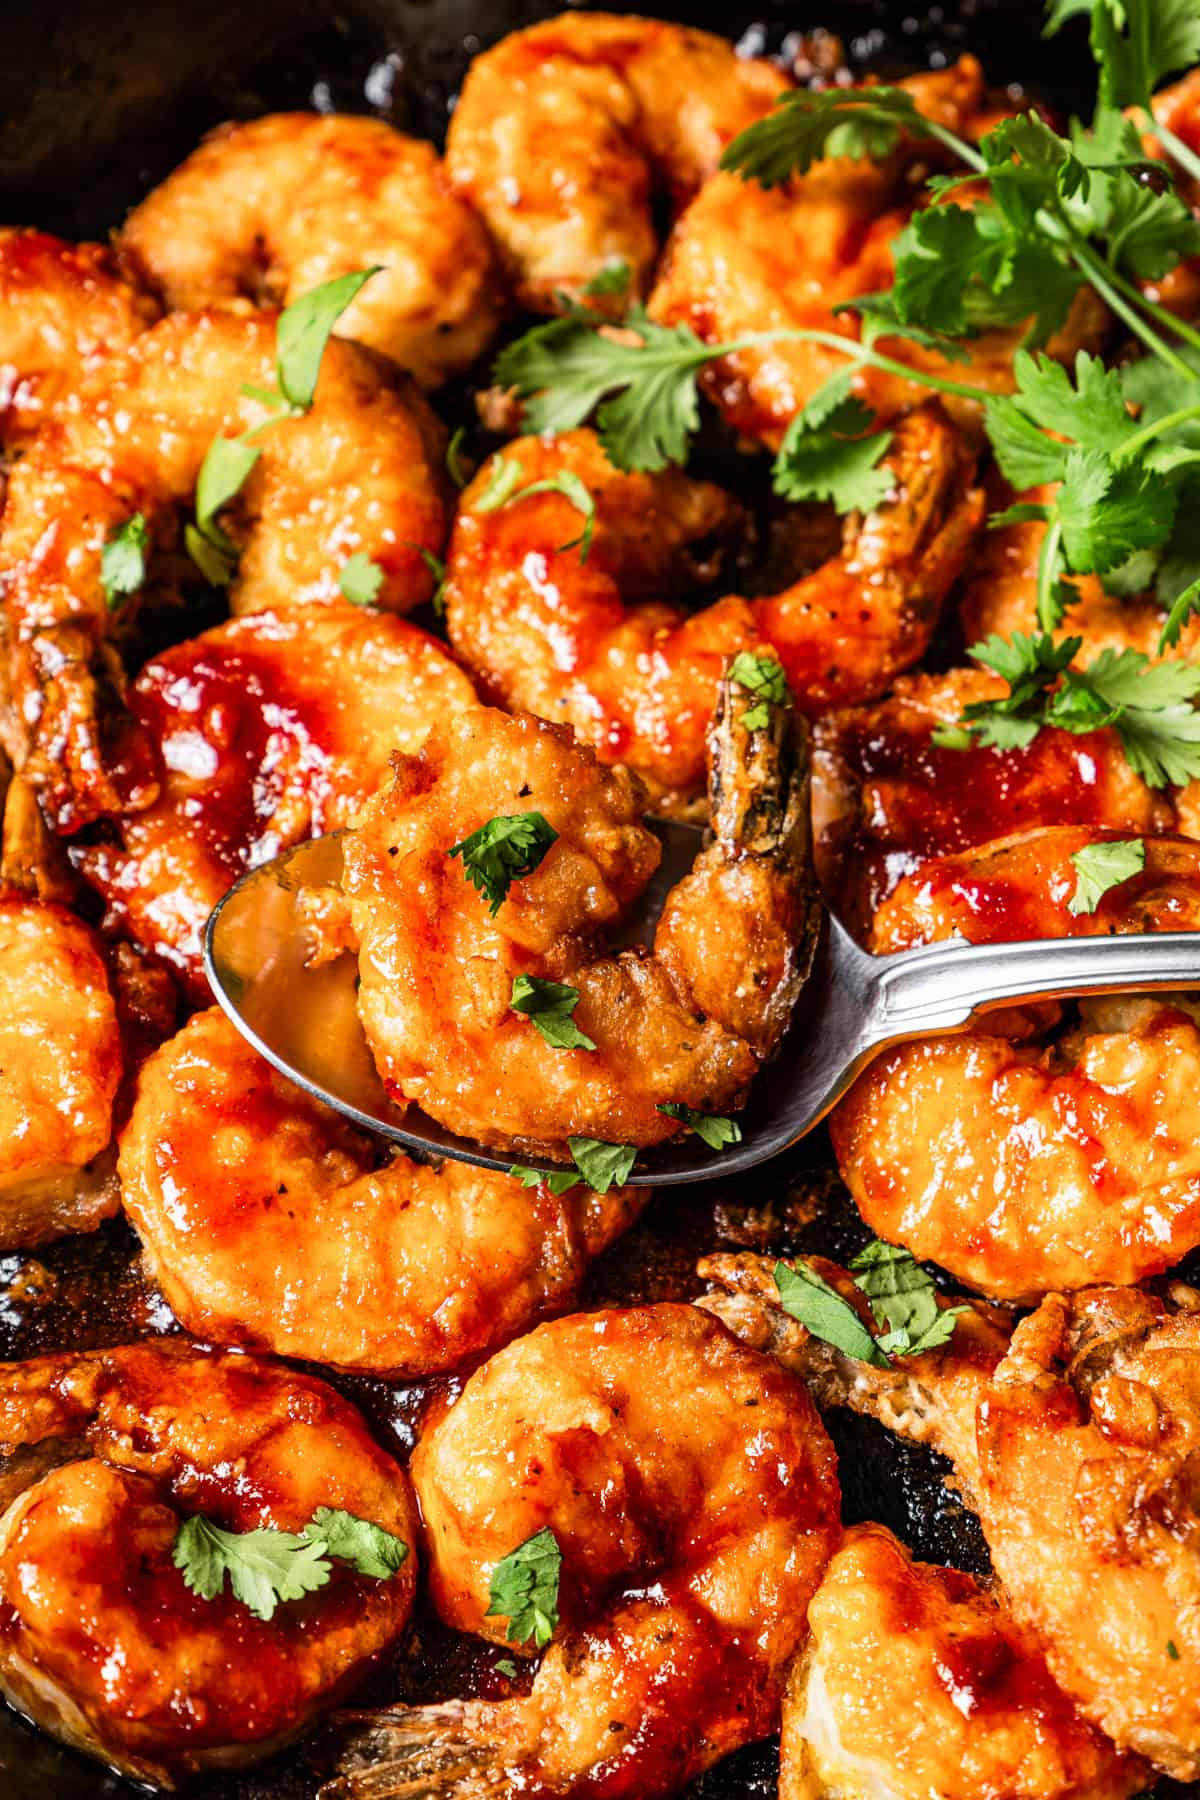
305 1020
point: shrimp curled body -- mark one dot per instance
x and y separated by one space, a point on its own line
694 1516
268 1223
596 645
101 1641
689 1022
272 208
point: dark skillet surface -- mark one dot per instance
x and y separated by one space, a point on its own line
98 100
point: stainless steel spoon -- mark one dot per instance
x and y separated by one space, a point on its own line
305 1020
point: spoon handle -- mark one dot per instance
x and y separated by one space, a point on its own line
940 986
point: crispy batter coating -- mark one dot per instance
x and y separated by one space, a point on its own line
563 133
268 730
745 259
886 798
1022 1161
1077 1445
915 1684
61 307
600 646
688 1022
695 1513
360 472
269 1222
272 208
104 1454
60 1067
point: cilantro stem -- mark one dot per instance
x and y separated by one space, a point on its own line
1047 609
859 353
1098 272
1183 153
966 152
1156 428
1160 314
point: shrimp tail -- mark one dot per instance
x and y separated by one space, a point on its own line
452 1751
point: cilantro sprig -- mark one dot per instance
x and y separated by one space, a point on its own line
549 1005
1137 44
504 486
265 1566
524 1590
806 126
901 1295
711 1128
301 334
1101 867
502 851
123 561
600 1165
1149 705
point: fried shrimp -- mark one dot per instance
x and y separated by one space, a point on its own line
269 209
915 1684
1076 1444
60 1067
268 730
268 1222
694 1515
745 259
886 797
564 132
1024 1160
358 473
686 1023
101 1641
61 307
592 644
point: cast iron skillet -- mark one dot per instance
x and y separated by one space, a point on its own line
98 100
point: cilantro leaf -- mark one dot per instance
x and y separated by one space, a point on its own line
360 579
437 571
502 851
305 328
228 463
806 126
549 1005
1137 43
830 453
613 278
559 1182
602 1165
454 463
903 1297
571 488
1108 511
808 1297
368 1548
764 676
504 478
524 1589
123 560
716 1132
264 1566
506 1666
1099 867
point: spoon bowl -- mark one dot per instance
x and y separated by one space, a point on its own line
304 1019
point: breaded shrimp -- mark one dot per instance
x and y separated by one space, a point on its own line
915 1684
1022 1161
745 259
564 132
101 1643
359 472
592 644
886 797
60 1066
1001 594
61 307
1077 1448
689 1022
695 1512
268 730
268 1222
269 209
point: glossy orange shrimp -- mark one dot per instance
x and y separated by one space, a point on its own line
694 1515
269 209
563 132
358 473
592 644
103 1455
267 730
